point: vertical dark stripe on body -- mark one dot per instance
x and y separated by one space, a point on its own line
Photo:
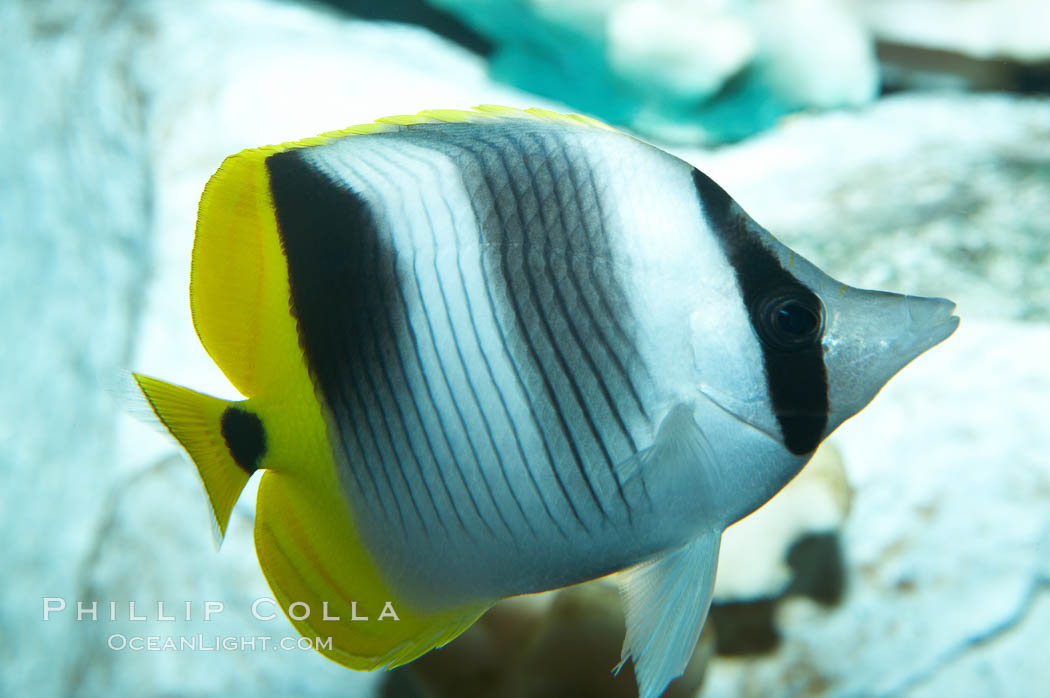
627 368
461 153
797 380
537 267
501 226
601 295
563 231
341 276
396 316
540 218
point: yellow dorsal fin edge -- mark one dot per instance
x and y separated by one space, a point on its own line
478 114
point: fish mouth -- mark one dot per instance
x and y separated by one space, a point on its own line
930 322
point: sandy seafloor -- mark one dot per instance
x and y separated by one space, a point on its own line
113 117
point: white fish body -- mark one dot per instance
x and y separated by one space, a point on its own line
545 351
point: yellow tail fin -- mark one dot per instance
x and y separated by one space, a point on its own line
196 422
311 553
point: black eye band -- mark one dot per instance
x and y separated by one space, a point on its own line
787 317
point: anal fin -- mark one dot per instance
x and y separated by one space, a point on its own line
666 601
310 553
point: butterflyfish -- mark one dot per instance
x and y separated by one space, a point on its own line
497 352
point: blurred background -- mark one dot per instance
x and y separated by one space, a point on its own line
898 144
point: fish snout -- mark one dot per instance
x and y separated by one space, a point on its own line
873 335
930 321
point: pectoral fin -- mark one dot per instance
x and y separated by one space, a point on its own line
666 602
679 443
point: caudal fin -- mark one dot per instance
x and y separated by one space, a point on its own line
196 422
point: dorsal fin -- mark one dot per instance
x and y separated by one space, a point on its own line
229 268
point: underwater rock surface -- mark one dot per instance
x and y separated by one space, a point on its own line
929 194
753 562
71 274
947 543
1004 29
111 128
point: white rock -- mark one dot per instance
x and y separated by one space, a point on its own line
685 52
814 53
1016 29
929 194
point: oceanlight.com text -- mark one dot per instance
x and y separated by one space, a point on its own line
120 642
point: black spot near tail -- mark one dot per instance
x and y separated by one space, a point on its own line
245 437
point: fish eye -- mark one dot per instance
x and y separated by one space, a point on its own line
790 320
